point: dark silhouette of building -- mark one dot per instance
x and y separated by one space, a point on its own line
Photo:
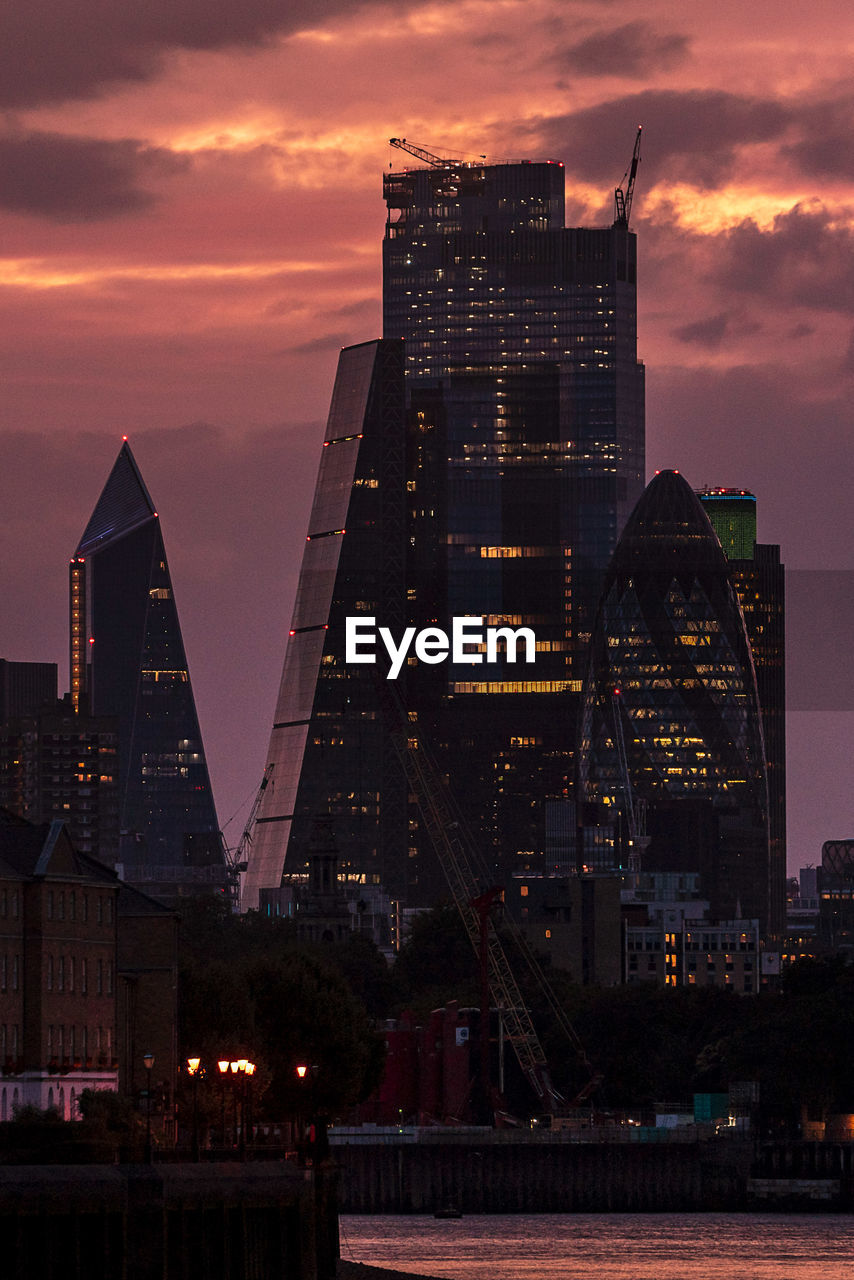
760 583
525 456
332 758
836 900
671 719
147 1001
128 662
519 457
57 969
58 764
25 686
88 976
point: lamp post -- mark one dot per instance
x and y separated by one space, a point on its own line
194 1066
302 1072
222 1067
250 1072
314 1129
148 1061
245 1070
234 1067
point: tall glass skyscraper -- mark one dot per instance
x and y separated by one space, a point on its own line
519 452
671 711
525 456
128 661
332 761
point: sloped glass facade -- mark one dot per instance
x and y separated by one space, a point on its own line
671 674
128 661
333 764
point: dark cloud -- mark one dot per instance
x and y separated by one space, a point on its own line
51 52
804 259
73 179
689 136
826 146
325 342
635 49
706 333
778 429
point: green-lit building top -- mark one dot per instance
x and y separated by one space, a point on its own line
732 513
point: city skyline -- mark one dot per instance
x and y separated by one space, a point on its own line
176 259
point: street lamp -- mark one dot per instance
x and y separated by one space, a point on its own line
245 1070
314 1127
194 1066
250 1071
222 1067
148 1061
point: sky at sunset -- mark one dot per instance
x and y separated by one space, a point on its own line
190 225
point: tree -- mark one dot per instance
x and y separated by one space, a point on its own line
436 964
267 998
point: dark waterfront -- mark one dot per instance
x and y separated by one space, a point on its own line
613 1246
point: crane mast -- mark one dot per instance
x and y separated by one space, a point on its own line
468 882
237 858
623 197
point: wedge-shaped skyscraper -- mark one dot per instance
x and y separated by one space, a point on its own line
128 661
332 759
671 716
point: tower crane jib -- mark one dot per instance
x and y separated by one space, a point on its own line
623 196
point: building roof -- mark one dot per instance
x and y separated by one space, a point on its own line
124 504
133 902
29 850
668 530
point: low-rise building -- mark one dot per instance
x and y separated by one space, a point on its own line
88 977
58 929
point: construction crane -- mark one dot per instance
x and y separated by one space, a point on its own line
473 896
420 154
623 195
634 809
237 859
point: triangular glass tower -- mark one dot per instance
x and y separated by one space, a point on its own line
128 661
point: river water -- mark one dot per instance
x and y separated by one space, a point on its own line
607 1246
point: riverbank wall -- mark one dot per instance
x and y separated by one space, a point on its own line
532 1177
181 1221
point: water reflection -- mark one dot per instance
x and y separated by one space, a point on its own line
614 1246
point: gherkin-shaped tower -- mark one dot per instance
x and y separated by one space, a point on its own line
671 725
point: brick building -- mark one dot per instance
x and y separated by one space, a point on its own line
88 977
147 999
58 929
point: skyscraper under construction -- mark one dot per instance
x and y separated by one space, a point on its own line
520 455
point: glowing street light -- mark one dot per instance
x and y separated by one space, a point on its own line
194 1067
